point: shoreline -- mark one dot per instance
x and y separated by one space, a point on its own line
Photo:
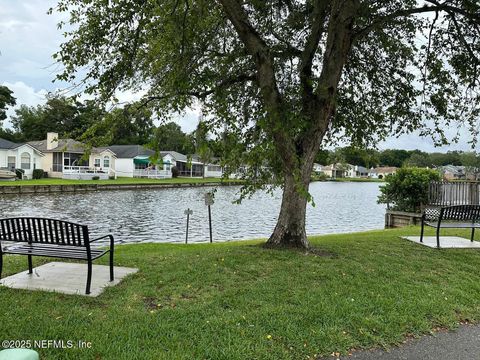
47 189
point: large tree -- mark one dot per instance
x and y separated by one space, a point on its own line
285 76
6 99
66 116
169 136
131 124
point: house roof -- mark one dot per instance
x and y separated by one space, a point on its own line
454 169
176 155
128 151
64 145
385 169
6 144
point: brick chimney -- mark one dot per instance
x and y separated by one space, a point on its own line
52 140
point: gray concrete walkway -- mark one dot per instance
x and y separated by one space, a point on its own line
66 278
446 242
463 343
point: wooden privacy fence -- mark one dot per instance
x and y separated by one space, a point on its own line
445 193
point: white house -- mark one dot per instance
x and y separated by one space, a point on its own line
20 156
193 167
317 168
65 158
337 170
381 172
136 161
356 171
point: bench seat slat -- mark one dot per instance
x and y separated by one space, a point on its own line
61 251
454 225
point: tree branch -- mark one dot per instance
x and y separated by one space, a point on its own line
419 10
338 45
267 82
311 46
201 95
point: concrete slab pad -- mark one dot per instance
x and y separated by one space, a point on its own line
446 242
66 278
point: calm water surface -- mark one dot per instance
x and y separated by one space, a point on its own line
158 215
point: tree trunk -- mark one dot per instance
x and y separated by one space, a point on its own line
290 229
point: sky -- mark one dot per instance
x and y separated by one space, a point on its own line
29 37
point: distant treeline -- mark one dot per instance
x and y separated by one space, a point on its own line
398 158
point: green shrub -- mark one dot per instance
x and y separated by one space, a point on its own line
111 177
19 173
407 189
320 176
37 174
174 171
95 177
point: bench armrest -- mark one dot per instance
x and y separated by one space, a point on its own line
103 237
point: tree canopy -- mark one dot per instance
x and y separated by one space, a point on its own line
285 76
170 136
6 100
65 116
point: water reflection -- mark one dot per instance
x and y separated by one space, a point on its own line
158 215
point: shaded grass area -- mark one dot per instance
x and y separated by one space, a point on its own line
240 301
118 181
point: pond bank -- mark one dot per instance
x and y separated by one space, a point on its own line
45 189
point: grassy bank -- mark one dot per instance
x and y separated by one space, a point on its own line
240 301
118 181
356 180
322 178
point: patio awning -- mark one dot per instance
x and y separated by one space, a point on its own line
141 161
146 161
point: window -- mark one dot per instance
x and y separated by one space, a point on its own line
11 163
57 162
106 161
25 161
216 168
97 163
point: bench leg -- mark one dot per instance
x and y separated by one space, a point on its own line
421 232
111 265
30 267
438 237
473 234
89 277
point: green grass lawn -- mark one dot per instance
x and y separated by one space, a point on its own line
118 181
240 301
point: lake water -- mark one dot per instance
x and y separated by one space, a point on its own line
157 215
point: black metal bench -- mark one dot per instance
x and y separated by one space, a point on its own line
458 216
51 238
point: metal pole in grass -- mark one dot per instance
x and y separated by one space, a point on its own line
187 212
209 202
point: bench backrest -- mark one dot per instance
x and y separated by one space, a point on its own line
45 231
461 213
453 213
